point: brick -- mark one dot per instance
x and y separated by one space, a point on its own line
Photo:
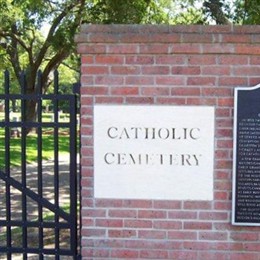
138 223
234 60
137 203
186 48
226 123
218 48
108 100
184 214
124 253
108 203
140 100
122 233
221 195
227 164
221 154
140 59
167 204
232 81
151 234
154 254
87 182
185 91
169 225
96 252
94 70
151 214
94 91
197 205
254 60
182 235
87 59
109 80
202 101
198 245
183 254
165 80
213 215
214 255
227 144
109 223
237 38
201 81
254 81
154 48
245 236
202 60
246 70
195 37
226 102
122 48
222 205
122 213
243 256
184 70
109 59
125 70
213 236
92 232
155 91
171 60
164 38
247 49
91 49
155 70
153 244
224 133
139 80
95 213
171 100
215 70
108 243
124 91
223 112
197 225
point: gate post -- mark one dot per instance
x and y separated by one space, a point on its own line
130 74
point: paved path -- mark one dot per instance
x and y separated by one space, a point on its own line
32 183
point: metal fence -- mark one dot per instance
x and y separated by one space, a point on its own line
38 194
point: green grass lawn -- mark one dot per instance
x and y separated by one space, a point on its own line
31 142
31 148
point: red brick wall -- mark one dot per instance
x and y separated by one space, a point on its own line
169 65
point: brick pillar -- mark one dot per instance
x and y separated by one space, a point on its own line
166 65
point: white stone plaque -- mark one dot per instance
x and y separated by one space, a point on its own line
153 152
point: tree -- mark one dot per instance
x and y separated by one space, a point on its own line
27 49
24 47
236 12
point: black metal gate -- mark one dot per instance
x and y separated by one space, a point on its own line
38 193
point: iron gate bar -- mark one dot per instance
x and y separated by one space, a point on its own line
34 196
7 164
17 223
23 168
12 250
39 143
73 178
56 161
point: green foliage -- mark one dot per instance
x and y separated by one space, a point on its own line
236 11
117 11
